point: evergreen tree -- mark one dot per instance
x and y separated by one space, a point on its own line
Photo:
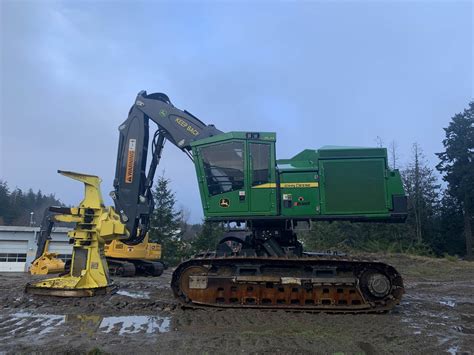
450 238
16 207
30 200
4 202
165 222
208 237
422 190
457 165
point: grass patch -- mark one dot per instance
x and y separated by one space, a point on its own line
452 258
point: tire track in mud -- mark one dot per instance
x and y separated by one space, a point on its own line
447 320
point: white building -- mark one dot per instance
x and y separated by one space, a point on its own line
18 246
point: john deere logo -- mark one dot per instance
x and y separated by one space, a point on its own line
224 202
163 113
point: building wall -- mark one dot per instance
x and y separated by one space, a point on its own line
18 246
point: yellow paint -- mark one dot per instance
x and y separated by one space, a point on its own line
144 250
47 263
186 125
270 185
96 225
287 185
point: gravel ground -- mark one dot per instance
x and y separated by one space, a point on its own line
435 316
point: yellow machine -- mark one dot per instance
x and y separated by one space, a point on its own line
95 225
130 260
122 259
144 250
47 263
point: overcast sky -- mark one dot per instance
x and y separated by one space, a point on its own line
317 73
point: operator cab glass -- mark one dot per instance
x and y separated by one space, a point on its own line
260 168
224 167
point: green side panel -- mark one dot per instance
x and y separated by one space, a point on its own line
333 152
307 159
299 193
355 186
262 201
395 185
306 155
227 204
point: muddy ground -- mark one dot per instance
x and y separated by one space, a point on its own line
435 316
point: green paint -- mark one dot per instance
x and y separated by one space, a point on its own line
329 183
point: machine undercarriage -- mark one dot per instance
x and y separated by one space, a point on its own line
332 284
268 269
130 267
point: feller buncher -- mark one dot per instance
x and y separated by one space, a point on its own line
122 259
262 200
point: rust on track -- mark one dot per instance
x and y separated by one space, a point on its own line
328 284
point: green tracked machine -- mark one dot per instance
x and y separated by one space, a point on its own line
262 264
262 201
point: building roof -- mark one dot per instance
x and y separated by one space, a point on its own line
32 229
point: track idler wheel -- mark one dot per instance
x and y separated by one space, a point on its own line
155 269
125 270
185 279
375 284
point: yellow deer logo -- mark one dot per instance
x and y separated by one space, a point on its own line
224 202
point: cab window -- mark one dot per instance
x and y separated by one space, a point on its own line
260 154
224 167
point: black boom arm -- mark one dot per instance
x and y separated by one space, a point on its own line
44 234
132 184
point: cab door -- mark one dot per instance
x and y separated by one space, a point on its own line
223 177
262 178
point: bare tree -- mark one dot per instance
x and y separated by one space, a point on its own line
379 141
393 152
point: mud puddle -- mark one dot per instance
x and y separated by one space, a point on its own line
26 324
439 319
135 324
134 294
